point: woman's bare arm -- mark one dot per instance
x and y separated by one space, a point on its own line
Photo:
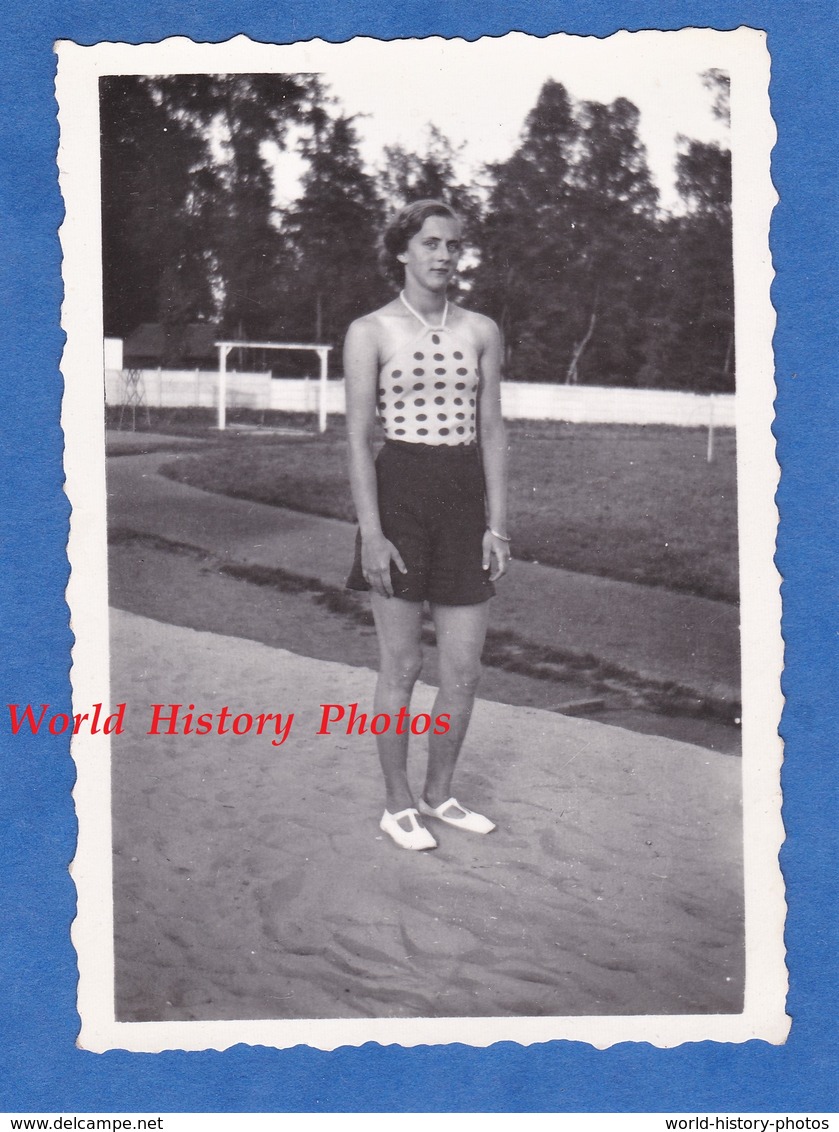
361 366
493 439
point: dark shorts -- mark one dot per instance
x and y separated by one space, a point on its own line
431 506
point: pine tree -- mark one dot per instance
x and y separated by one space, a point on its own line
331 233
567 243
156 182
690 344
430 175
188 215
701 298
238 115
615 214
528 237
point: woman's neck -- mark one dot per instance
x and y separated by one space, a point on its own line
432 321
430 304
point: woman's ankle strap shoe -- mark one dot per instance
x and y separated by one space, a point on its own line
452 813
417 837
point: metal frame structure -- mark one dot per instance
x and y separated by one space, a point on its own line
224 349
133 396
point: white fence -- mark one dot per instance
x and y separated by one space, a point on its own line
182 388
170 388
590 404
582 404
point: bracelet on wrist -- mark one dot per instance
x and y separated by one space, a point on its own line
495 534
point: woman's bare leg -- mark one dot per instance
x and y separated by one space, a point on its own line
399 629
461 630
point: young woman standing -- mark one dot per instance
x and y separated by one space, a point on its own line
432 505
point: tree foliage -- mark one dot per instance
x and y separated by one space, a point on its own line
157 186
587 279
567 247
699 300
187 209
331 273
407 176
571 220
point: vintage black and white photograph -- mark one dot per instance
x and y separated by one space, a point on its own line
418 415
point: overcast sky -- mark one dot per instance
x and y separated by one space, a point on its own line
480 93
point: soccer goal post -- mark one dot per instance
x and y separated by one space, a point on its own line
224 349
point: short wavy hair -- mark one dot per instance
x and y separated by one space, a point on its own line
405 224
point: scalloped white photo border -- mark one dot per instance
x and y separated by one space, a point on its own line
743 54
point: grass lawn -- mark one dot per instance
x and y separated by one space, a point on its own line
635 503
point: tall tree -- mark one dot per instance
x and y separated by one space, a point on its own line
156 181
188 229
238 115
701 294
407 176
331 238
566 243
615 210
719 84
690 340
528 237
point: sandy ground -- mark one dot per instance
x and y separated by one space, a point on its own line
252 881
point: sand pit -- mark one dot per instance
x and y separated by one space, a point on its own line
252 881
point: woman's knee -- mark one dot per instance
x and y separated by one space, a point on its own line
461 676
402 667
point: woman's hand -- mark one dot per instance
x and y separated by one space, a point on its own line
498 549
377 553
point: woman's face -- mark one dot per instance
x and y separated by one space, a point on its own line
432 253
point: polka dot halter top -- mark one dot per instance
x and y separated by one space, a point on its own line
428 390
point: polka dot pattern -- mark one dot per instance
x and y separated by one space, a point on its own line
442 372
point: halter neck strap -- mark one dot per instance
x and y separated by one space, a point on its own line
419 318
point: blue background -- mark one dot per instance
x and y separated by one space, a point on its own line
40 1070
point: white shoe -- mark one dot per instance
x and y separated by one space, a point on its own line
459 817
417 837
